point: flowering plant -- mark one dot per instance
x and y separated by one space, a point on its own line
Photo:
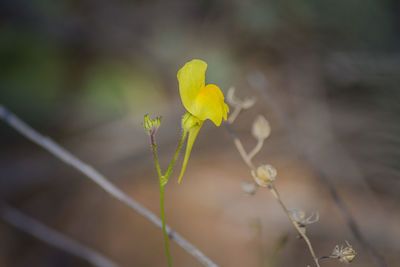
202 102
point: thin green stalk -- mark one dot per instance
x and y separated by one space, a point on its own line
171 165
160 177
163 224
156 161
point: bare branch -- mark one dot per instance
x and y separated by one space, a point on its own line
35 228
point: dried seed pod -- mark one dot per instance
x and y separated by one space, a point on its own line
264 175
345 254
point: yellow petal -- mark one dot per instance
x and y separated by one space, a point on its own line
191 78
209 104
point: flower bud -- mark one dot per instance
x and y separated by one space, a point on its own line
264 175
151 125
189 121
261 128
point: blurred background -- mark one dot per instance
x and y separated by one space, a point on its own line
324 73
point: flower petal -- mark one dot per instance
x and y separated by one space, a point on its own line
191 78
209 104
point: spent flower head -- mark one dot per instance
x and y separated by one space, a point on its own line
302 220
344 253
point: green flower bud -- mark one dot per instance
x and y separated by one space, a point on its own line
151 125
189 121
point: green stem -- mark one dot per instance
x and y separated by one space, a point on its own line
171 165
156 161
163 224
160 177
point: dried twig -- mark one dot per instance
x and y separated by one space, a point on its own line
99 179
37 229
271 187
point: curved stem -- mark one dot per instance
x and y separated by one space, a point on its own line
256 149
235 113
276 195
239 146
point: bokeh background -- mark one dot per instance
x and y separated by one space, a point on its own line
325 74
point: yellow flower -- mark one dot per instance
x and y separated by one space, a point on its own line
201 101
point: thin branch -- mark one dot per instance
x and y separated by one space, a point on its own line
65 156
239 146
235 113
35 228
247 159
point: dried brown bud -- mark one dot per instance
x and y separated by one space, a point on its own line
261 128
